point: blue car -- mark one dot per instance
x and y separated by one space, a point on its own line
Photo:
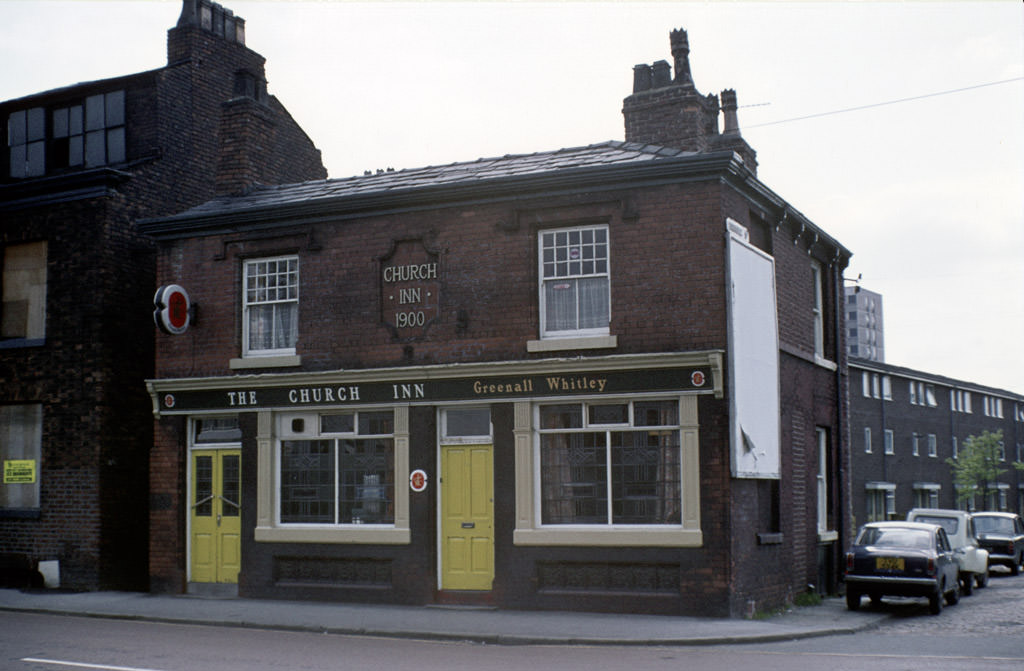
902 559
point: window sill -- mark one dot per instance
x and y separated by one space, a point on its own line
20 513
563 344
825 363
367 536
828 536
266 362
14 343
673 537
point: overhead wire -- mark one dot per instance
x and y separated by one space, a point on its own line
882 104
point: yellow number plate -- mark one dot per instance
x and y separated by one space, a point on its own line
889 563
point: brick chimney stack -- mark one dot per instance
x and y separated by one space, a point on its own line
240 135
213 18
671 112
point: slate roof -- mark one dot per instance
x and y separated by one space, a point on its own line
607 165
481 170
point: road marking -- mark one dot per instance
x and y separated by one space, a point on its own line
82 665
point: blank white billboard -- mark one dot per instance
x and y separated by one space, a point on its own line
753 359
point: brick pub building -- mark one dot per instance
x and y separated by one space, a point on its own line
80 165
603 378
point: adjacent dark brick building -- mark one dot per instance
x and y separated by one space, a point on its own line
906 423
80 165
608 377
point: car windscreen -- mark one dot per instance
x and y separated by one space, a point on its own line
897 537
993 525
950 524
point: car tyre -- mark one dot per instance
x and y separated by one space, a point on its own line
852 599
1015 568
982 579
935 602
967 584
953 595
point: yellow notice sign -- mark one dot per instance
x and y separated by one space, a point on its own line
19 471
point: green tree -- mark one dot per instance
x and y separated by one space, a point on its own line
978 465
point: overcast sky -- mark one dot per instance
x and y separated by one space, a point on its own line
898 128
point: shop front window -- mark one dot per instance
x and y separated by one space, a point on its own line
346 476
610 463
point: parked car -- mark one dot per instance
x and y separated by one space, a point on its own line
970 556
902 559
1002 534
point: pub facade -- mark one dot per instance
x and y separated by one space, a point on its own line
601 378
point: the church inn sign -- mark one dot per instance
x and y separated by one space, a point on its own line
410 288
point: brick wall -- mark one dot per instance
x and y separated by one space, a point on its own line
89 374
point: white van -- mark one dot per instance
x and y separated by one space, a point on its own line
970 556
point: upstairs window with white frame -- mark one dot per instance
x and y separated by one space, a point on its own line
818 309
874 385
922 393
575 295
993 407
960 401
270 306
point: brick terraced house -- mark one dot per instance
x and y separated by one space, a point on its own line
79 166
906 423
603 378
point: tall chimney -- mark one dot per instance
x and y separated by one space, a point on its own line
669 111
731 125
681 56
730 138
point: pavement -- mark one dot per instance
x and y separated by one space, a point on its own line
481 625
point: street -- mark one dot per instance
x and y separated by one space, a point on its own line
984 631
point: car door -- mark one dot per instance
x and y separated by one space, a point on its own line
945 561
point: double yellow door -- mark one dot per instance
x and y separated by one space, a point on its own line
467 517
216 527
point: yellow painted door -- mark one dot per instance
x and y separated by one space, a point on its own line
467 517
216 517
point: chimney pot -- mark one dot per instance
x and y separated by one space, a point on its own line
642 76
662 74
730 119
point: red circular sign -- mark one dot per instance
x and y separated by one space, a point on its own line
697 379
173 309
418 480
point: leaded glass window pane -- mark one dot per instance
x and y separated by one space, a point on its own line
307 481
582 463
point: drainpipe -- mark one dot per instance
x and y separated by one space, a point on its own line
841 463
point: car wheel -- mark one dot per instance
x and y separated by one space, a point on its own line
967 584
953 595
1015 567
982 579
852 599
935 602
